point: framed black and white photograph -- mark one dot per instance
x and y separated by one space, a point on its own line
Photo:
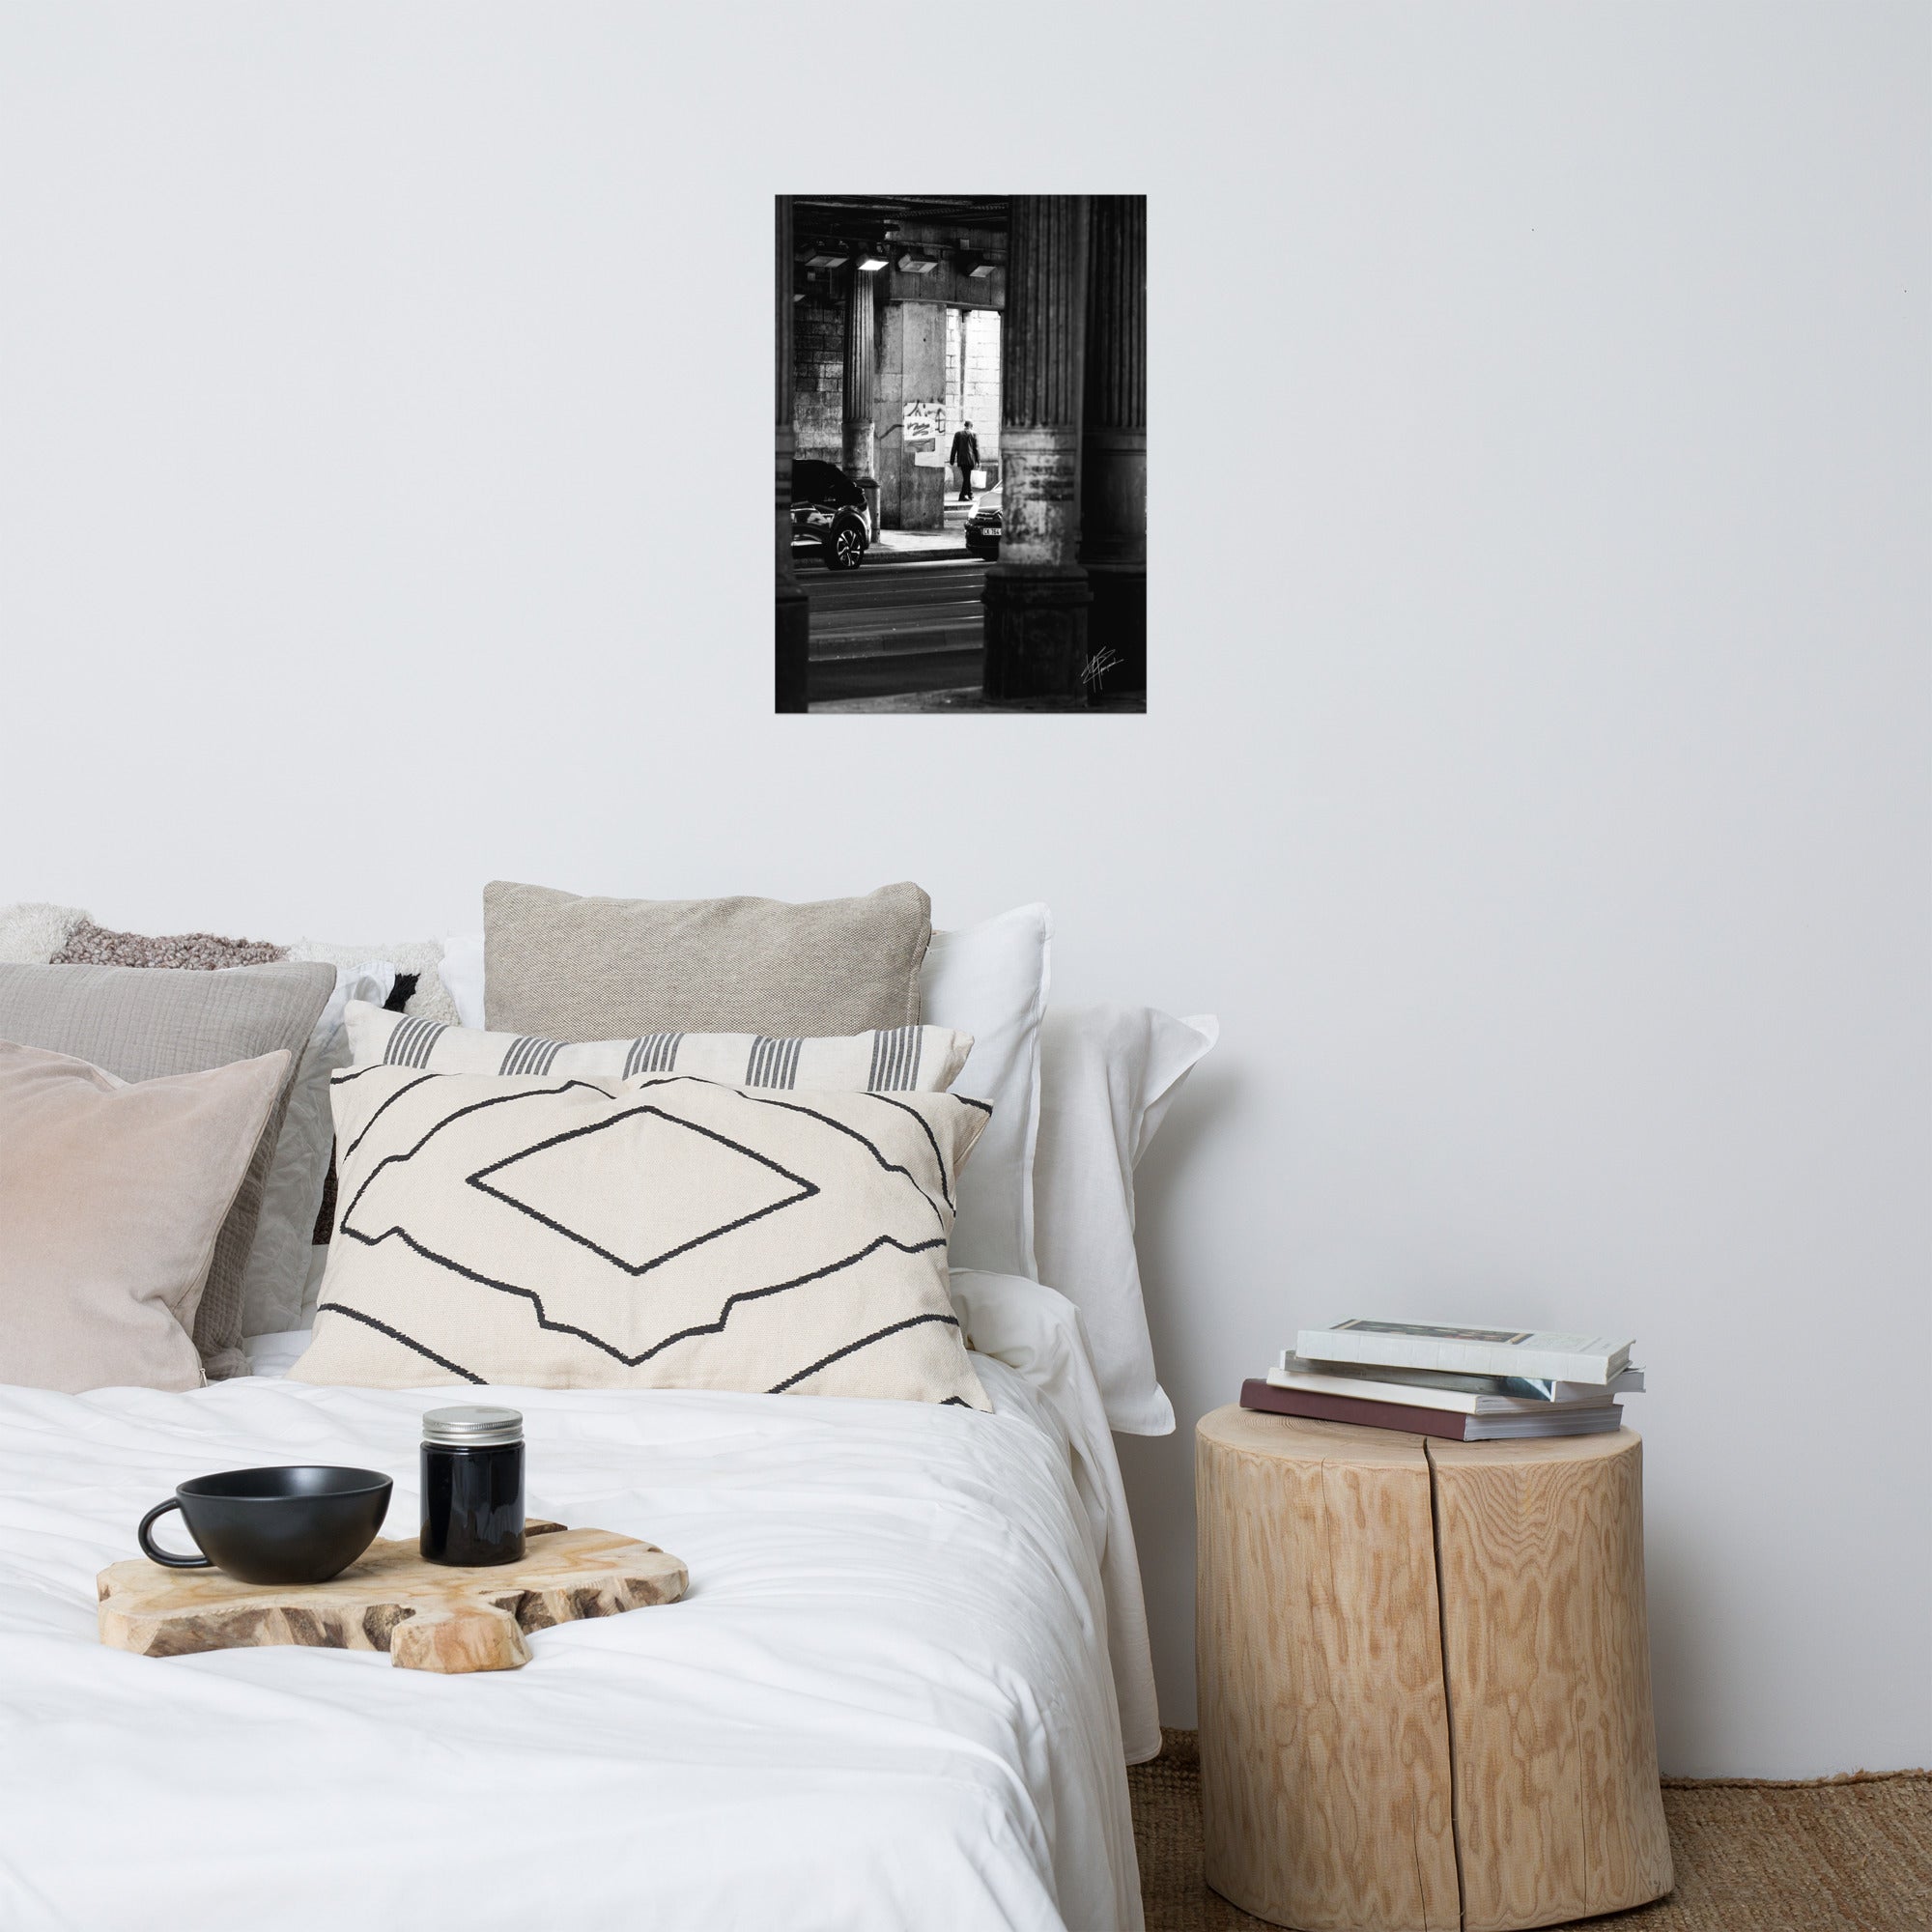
961 453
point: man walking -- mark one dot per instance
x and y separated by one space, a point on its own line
966 454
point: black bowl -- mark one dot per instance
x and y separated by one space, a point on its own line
301 1524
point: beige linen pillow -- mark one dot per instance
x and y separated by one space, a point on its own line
141 1025
656 1232
570 968
112 1195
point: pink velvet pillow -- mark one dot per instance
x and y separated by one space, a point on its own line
111 1196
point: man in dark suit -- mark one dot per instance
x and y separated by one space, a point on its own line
966 454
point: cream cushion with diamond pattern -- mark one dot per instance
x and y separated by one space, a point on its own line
661 1231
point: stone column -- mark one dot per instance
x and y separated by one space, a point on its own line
1036 594
1113 443
859 453
911 368
793 647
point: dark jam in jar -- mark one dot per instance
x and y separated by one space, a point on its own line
472 1485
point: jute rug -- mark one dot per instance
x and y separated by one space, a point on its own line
1849 1855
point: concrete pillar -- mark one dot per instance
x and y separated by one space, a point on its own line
912 372
792 645
1036 594
1113 443
860 452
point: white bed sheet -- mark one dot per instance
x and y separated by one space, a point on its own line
886 1702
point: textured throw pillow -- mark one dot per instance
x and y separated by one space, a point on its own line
923 1059
91 945
32 933
1108 1075
657 1232
141 1025
112 1194
569 968
990 980
51 935
298 1178
417 964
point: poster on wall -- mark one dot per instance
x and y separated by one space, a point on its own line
961 453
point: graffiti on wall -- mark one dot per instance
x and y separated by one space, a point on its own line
923 417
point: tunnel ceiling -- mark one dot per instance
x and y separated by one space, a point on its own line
831 218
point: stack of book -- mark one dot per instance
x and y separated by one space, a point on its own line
1468 1384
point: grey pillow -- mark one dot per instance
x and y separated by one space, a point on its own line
572 969
143 1025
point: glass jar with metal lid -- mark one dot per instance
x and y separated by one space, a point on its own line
472 1485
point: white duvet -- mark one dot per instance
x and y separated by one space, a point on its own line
887 1701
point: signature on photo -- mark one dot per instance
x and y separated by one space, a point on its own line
1100 664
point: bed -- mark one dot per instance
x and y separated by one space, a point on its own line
901 1691
912 1664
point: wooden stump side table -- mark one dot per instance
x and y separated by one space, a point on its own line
1425 1677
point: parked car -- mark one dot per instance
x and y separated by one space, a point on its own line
828 514
983 532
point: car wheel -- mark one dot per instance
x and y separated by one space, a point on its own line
844 548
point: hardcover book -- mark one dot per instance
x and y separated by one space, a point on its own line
1583 1419
1480 1351
1459 1394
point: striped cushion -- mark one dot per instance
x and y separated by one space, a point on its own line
898 1059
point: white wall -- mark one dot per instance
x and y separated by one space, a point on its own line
1536 777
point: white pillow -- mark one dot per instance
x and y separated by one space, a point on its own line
990 980
277 1266
461 976
1109 1075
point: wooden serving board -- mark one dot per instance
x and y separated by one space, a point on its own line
426 1615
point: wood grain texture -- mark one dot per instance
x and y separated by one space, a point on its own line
1325 1763
426 1615
1546 1654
